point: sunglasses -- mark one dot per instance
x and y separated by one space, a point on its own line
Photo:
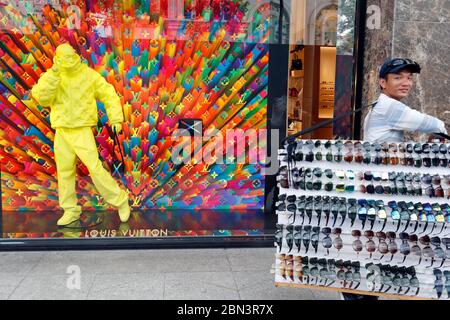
314 270
373 276
399 279
428 179
439 252
345 272
290 237
338 243
434 192
306 237
413 280
447 282
327 242
352 274
281 265
383 247
298 268
305 269
438 283
325 273
298 237
405 248
282 179
352 212
427 251
357 243
392 245
370 244
279 236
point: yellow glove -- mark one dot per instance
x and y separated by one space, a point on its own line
117 128
56 68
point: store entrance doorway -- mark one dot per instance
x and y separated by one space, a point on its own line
312 66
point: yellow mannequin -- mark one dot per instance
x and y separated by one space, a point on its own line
71 89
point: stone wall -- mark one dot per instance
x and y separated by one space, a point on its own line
420 30
378 47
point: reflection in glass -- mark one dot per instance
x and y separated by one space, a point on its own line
326 26
142 224
346 27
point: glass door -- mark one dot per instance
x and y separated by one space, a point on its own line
312 66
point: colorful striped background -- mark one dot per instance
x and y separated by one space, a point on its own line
210 63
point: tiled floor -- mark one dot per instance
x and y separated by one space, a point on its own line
220 274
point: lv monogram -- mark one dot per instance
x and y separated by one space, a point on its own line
28 200
100 201
116 167
135 131
136 96
99 21
137 201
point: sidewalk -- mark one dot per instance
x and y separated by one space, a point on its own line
185 274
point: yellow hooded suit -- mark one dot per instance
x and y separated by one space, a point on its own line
71 89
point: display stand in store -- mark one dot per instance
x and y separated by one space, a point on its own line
327 83
295 95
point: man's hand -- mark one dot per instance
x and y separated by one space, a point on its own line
56 68
117 128
54 74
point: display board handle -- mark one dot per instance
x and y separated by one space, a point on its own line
117 143
326 123
443 135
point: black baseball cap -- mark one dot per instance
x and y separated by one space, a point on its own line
398 64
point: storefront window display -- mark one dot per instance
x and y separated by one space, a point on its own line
169 61
189 66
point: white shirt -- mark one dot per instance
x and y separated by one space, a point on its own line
390 118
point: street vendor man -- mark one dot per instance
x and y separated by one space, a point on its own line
388 120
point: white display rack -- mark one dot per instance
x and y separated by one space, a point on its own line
423 266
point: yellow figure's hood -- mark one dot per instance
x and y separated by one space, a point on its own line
67 59
77 67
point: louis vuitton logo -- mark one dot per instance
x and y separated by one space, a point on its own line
116 168
241 100
194 126
100 202
99 21
4 20
28 200
135 131
243 97
136 96
137 201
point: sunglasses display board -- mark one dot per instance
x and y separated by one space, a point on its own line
364 218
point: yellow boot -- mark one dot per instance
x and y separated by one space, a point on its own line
68 218
124 211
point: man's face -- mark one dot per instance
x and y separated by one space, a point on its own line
66 57
397 85
68 61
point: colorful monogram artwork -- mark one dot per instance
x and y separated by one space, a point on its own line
169 61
